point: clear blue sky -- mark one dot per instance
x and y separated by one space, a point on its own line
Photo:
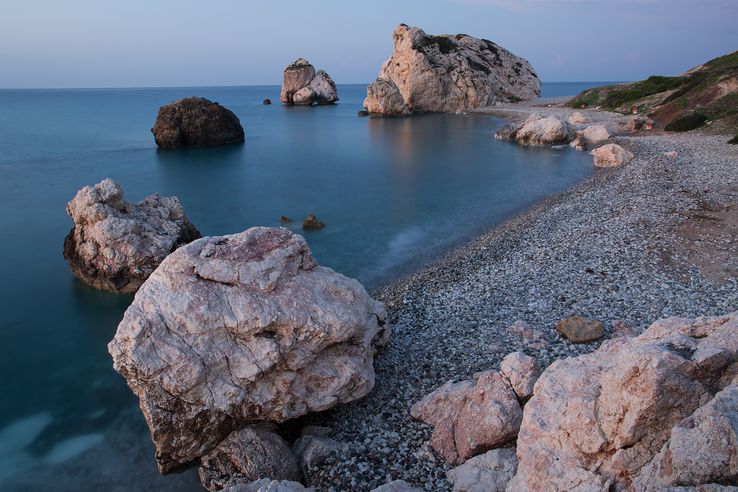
104 43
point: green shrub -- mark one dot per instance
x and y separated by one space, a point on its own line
686 122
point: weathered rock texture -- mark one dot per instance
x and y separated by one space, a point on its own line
247 455
314 446
303 87
488 472
383 97
551 130
611 155
579 329
639 410
522 372
449 74
470 417
114 244
243 328
196 122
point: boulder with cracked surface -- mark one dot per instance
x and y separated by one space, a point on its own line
383 98
450 74
470 417
115 245
246 455
522 372
600 420
488 472
240 329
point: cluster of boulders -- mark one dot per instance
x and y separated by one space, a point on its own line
447 73
196 122
302 86
233 334
643 412
114 244
576 132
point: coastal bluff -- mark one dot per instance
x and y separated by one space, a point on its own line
448 74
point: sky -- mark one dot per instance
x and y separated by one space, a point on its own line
149 43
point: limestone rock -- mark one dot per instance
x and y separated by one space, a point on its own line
551 130
622 329
114 244
532 338
507 132
611 155
302 86
246 455
578 118
242 328
451 73
522 372
488 472
196 122
268 485
702 449
578 329
396 486
595 421
591 135
384 98
314 446
470 417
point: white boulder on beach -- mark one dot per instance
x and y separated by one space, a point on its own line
239 329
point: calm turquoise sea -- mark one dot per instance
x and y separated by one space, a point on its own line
394 193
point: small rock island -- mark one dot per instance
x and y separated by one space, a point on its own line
196 122
448 74
302 86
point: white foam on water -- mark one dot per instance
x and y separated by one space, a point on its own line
19 434
69 448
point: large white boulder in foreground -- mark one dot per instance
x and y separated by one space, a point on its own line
243 328
640 410
114 244
452 73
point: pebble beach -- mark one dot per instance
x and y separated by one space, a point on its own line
657 237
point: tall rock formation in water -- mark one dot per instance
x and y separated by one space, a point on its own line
302 86
448 73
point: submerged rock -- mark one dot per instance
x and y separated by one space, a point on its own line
637 414
196 122
247 455
115 245
267 102
470 417
448 73
303 87
611 155
312 222
243 328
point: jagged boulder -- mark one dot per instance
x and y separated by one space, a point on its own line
488 472
115 245
470 417
302 86
196 122
450 73
239 329
522 372
616 417
247 455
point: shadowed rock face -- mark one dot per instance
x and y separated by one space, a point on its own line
239 329
450 74
301 86
115 245
196 122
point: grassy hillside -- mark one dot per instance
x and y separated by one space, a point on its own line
703 95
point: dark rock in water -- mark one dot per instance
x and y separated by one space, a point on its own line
267 102
312 222
196 122
115 245
363 112
507 132
284 219
247 455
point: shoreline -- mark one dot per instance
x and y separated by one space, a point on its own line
620 245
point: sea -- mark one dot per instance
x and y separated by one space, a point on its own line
394 194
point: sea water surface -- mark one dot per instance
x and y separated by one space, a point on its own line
394 193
